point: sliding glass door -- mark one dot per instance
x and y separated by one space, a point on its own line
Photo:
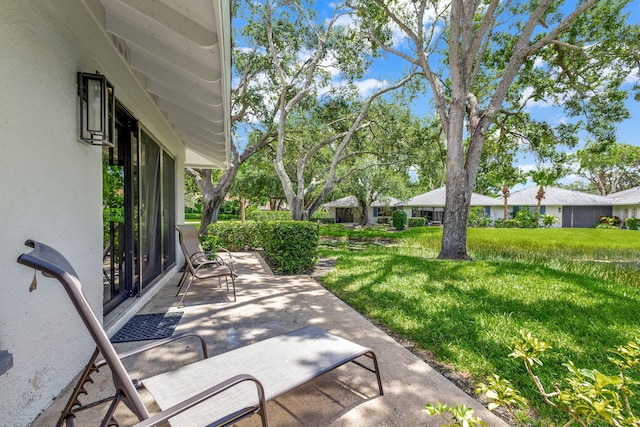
138 212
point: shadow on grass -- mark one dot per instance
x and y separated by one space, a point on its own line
468 313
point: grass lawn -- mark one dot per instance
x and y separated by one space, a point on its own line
576 289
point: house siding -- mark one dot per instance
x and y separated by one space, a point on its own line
51 186
42 165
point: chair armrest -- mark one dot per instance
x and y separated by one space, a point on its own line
159 343
211 256
211 392
227 252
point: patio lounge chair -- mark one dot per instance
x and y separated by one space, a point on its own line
215 391
200 264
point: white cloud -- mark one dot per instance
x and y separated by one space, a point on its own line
367 87
532 103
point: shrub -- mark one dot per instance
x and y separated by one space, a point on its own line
549 220
258 215
525 219
193 215
230 207
291 247
228 217
399 219
500 223
384 220
234 236
632 223
588 396
613 221
478 217
322 217
417 222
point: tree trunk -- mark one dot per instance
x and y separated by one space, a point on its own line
456 218
365 214
298 212
242 209
212 194
505 196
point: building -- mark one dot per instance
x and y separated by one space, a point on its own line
348 210
574 209
430 205
152 79
626 204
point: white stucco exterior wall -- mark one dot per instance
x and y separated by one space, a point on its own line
51 191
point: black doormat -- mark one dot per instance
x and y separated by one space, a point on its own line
148 327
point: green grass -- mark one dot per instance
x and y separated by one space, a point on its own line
577 289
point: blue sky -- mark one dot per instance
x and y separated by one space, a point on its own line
390 68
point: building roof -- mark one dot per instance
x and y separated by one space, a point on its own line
436 198
626 197
352 202
181 53
345 202
555 196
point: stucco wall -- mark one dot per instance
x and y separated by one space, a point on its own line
51 191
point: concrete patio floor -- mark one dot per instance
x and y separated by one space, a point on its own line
269 305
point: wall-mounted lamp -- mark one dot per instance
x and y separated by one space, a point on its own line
97 106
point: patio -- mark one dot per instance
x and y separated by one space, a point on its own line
268 305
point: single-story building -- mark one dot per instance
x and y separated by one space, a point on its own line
103 104
626 204
430 205
349 210
574 209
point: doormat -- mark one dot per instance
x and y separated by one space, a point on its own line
148 327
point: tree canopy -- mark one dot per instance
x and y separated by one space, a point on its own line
484 61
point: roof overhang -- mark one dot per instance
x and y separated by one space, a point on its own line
177 57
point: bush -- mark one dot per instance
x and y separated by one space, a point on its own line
234 236
290 247
258 215
478 217
230 207
613 221
384 220
399 219
417 222
525 219
633 223
322 217
500 223
193 215
549 220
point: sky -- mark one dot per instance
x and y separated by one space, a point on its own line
390 68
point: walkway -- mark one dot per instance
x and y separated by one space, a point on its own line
268 305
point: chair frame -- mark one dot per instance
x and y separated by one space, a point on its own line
52 264
297 357
200 264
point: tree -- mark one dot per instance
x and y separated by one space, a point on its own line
257 182
610 167
395 146
303 54
491 51
253 113
545 176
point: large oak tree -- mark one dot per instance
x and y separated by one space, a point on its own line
483 60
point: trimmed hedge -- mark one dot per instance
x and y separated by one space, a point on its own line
258 215
234 236
417 221
290 247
